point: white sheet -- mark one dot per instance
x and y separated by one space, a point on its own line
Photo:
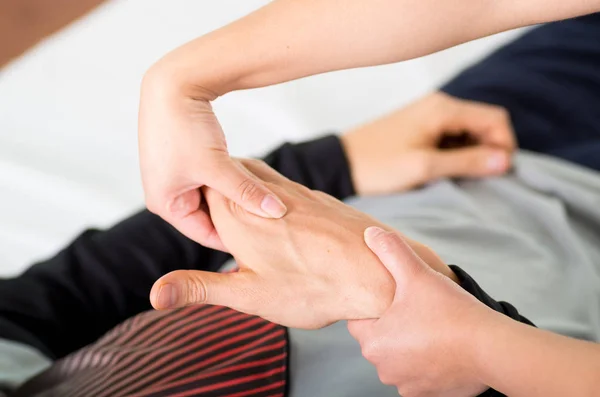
68 114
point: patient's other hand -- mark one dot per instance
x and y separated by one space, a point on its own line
401 150
306 270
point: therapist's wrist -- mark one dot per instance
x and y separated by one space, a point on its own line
481 354
203 69
169 78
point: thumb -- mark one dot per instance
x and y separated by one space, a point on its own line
187 287
395 254
476 161
239 185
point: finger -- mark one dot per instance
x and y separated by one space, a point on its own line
491 124
395 254
426 254
189 216
263 171
239 185
199 227
359 328
187 287
476 161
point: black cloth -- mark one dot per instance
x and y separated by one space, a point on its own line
549 80
104 277
471 286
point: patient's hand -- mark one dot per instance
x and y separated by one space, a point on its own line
401 150
306 270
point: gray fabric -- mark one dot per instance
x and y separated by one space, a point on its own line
531 238
18 363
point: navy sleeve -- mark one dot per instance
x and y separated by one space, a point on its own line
549 80
104 277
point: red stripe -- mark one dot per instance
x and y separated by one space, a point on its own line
235 382
128 334
228 353
121 332
222 371
279 332
127 354
173 321
140 376
121 354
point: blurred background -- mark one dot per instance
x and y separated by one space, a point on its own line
68 109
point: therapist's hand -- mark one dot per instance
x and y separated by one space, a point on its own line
422 344
307 270
401 150
182 148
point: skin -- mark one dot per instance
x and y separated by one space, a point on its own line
400 150
416 343
437 340
182 146
315 259
314 262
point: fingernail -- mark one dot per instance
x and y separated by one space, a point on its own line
166 297
497 161
373 231
273 207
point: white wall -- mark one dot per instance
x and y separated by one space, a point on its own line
68 114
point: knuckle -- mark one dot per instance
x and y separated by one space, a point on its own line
321 196
385 377
424 168
503 113
153 206
196 289
388 242
355 331
370 351
410 389
249 190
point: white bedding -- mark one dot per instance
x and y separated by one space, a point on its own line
68 114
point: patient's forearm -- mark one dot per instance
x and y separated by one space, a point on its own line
25 22
520 360
289 39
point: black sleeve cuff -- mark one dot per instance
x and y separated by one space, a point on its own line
471 286
320 164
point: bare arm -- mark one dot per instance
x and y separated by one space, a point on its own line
25 22
181 143
289 39
473 345
520 360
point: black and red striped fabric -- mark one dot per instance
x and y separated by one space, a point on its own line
194 351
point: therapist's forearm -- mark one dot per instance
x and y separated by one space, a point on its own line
25 22
289 39
519 360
